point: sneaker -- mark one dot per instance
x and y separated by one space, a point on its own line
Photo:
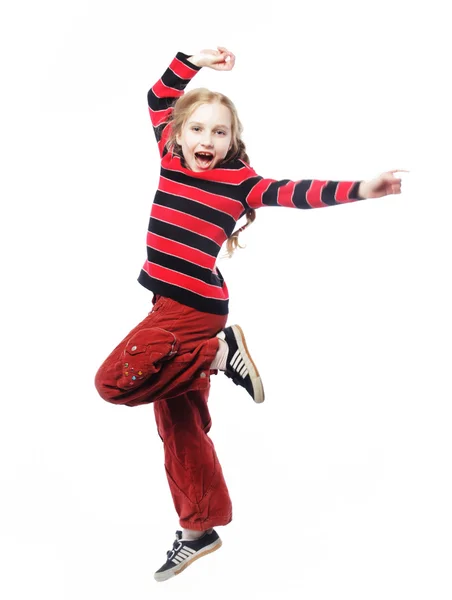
185 552
240 366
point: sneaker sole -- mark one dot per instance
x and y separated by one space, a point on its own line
256 381
172 572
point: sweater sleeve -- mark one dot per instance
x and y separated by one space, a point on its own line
163 95
305 193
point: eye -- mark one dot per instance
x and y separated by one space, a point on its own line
196 128
221 132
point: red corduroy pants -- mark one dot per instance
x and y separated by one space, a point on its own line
166 360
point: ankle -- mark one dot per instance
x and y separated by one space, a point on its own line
193 534
220 360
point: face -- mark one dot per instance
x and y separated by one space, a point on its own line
206 136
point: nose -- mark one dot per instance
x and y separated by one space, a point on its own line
207 139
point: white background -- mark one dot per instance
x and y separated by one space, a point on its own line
341 480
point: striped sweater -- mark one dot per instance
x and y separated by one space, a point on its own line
193 213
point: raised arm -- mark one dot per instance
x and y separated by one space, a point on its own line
163 95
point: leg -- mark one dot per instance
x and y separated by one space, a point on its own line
194 474
167 354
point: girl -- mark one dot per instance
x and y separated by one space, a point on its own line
206 186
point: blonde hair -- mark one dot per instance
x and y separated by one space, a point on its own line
183 108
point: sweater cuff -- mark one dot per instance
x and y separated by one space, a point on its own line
184 59
353 194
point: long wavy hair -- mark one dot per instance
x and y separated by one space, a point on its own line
183 108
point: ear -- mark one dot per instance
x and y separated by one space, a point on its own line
178 139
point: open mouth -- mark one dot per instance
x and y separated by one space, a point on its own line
204 159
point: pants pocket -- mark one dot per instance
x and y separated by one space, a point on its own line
143 355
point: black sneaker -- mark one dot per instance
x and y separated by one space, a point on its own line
185 552
239 365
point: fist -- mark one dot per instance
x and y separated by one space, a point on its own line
220 60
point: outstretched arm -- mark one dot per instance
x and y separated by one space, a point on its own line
164 94
313 193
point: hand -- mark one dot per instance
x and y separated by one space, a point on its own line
383 185
220 60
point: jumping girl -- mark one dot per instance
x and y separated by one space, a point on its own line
206 185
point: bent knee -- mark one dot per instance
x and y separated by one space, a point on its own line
104 387
138 359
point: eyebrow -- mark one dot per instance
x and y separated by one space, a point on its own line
202 125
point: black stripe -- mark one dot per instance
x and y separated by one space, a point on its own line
170 79
270 196
184 267
235 192
353 193
299 193
209 305
178 234
156 103
328 193
196 209
247 186
184 59
159 131
233 165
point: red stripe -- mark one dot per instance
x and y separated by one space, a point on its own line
193 224
343 190
254 198
180 250
185 281
225 175
182 70
163 91
313 195
231 207
285 194
160 116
